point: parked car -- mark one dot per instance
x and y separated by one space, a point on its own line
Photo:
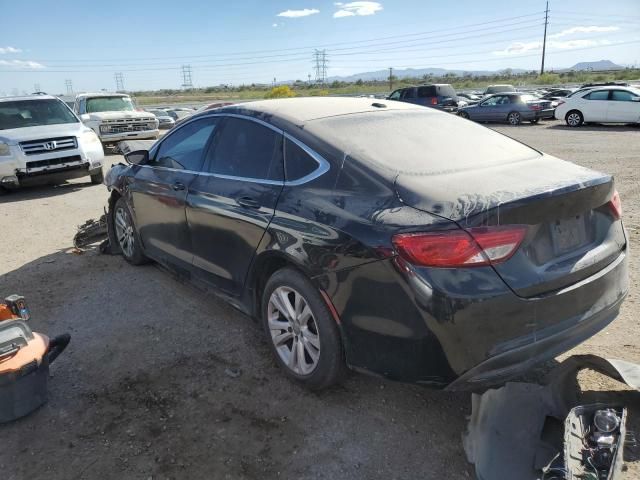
367 233
513 108
165 120
601 105
491 89
114 117
441 96
43 141
470 98
557 93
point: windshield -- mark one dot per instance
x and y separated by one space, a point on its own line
158 113
529 98
500 89
33 113
110 104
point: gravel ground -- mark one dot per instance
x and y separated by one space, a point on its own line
161 381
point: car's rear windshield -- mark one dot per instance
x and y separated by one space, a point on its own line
500 89
418 142
109 104
34 113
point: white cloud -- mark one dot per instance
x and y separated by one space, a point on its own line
9 50
298 13
21 64
589 29
274 25
519 47
353 9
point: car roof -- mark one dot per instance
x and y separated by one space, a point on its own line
101 94
301 110
28 97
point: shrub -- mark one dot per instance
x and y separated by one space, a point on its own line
283 91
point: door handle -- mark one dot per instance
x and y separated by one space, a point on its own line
178 186
247 202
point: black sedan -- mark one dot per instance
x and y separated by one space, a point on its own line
379 235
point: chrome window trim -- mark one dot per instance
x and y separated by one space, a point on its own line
323 164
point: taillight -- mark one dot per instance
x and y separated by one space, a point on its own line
615 204
460 248
434 100
535 107
560 102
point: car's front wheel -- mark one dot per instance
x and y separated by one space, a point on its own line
574 118
301 330
463 115
126 234
97 178
514 118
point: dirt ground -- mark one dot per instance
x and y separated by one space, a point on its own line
149 386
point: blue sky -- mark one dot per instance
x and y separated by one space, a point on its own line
243 41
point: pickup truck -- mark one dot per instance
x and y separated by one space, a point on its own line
114 117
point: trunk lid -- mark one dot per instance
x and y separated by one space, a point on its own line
572 232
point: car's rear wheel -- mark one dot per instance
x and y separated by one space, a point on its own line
463 115
514 118
97 178
301 330
126 234
574 118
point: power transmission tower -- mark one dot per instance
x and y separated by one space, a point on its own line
390 78
544 42
320 65
187 82
36 87
119 82
69 86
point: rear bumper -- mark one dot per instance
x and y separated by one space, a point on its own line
464 329
544 114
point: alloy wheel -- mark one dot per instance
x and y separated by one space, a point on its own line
294 330
573 119
514 118
124 231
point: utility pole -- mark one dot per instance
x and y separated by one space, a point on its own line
187 82
119 82
390 78
544 42
309 77
69 86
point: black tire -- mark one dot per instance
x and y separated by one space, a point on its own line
134 255
514 118
463 115
330 367
574 118
97 178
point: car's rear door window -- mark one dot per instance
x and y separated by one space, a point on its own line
247 149
621 96
184 148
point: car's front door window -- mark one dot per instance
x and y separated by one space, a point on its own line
184 148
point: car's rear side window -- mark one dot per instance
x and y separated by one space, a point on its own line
446 91
427 91
298 163
247 149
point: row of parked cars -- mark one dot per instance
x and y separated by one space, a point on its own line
600 103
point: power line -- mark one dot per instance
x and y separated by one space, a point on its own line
186 77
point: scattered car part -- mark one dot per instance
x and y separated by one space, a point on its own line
516 431
25 357
90 231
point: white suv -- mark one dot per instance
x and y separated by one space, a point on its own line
114 117
43 141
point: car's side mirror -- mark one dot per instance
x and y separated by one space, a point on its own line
137 157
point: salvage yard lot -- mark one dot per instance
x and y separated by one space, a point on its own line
163 381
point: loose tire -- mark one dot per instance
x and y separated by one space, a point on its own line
97 178
463 115
126 234
574 118
301 330
514 118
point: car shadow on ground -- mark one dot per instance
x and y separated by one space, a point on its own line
161 380
41 191
597 127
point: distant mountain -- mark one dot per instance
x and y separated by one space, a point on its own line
600 65
414 72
